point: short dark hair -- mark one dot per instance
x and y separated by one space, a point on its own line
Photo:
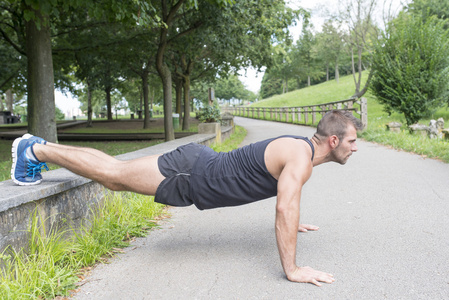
335 122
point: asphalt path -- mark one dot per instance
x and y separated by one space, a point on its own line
384 234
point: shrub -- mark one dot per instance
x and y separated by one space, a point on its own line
209 114
410 66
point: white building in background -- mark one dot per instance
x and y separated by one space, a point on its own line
73 112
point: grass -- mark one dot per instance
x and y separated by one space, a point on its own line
52 265
232 142
377 118
317 94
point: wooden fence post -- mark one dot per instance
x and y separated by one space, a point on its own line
364 112
313 115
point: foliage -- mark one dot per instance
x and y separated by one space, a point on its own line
209 114
271 85
427 8
230 88
411 67
330 46
59 114
305 55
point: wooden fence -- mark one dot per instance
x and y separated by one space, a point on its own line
304 115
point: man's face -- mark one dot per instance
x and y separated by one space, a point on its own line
346 146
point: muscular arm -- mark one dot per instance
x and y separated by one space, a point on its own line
294 174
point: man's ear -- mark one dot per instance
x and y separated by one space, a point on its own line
334 141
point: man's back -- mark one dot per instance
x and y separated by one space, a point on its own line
234 178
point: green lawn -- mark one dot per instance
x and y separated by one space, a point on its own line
377 118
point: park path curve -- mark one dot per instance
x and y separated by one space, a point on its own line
383 217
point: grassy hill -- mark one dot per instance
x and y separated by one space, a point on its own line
377 119
321 93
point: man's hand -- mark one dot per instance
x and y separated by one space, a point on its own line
307 227
307 274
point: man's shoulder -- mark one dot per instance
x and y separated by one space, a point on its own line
288 151
292 146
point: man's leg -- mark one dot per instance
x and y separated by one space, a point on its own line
140 175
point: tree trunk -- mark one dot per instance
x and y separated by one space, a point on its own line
186 121
327 72
178 91
337 73
107 90
167 87
40 79
165 75
359 65
365 88
89 106
146 119
9 100
308 80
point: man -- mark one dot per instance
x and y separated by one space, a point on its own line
195 174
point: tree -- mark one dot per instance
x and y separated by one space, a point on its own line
330 47
305 55
240 35
411 67
271 85
32 22
230 88
427 8
359 18
283 67
169 12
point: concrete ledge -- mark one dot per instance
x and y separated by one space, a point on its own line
64 197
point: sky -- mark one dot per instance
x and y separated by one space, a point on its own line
252 80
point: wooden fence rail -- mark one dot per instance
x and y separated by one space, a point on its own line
305 115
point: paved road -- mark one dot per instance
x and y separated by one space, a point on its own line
384 234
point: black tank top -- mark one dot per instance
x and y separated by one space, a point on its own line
234 178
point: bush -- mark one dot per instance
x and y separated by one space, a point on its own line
209 114
410 67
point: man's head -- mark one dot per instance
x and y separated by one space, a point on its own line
336 122
338 129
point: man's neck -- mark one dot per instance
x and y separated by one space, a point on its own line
321 151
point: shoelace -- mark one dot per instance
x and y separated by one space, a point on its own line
33 169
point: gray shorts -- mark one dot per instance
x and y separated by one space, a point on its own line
176 166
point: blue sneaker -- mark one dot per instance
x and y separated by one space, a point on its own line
38 140
25 171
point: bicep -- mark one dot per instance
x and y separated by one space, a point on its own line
291 181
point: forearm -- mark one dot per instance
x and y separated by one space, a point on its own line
287 219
